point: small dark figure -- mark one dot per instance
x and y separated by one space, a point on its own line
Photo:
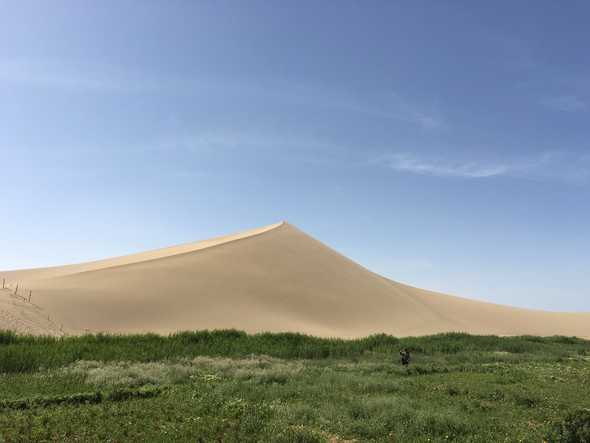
405 355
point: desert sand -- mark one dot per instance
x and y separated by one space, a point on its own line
275 278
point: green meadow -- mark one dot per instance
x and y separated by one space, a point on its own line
228 386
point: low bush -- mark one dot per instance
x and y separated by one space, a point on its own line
80 398
574 428
121 394
45 401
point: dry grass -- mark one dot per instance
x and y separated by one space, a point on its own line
163 373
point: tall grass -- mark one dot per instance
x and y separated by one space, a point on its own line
30 353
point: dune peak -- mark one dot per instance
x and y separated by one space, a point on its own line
272 278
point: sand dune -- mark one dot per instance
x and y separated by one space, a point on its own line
275 278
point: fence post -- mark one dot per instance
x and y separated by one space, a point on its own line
16 290
30 293
3 283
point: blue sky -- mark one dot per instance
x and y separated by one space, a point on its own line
442 144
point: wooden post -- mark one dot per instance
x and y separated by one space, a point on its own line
16 290
30 293
3 283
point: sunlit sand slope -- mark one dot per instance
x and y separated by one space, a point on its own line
275 278
20 315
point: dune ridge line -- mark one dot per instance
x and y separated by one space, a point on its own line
270 279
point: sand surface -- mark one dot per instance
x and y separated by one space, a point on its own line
275 278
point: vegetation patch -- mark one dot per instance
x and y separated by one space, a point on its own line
574 428
79 398
233 387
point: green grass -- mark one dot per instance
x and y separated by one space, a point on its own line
229 386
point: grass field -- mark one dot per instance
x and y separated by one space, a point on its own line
232 387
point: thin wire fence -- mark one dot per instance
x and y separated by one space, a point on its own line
17 291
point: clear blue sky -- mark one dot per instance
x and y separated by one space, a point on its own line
442 144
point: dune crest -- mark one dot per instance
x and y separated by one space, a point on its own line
275 278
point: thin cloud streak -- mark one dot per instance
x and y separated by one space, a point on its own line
395 108
407 163
562 166
97 78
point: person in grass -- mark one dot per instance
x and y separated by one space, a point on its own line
405 356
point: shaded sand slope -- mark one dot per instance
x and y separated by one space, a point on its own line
275 278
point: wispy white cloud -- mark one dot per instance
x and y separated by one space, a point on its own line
88 77
394 107
378 104
565 166
566 103
441 168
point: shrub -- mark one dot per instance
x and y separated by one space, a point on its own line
121 394
574 428
40 401
272 378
